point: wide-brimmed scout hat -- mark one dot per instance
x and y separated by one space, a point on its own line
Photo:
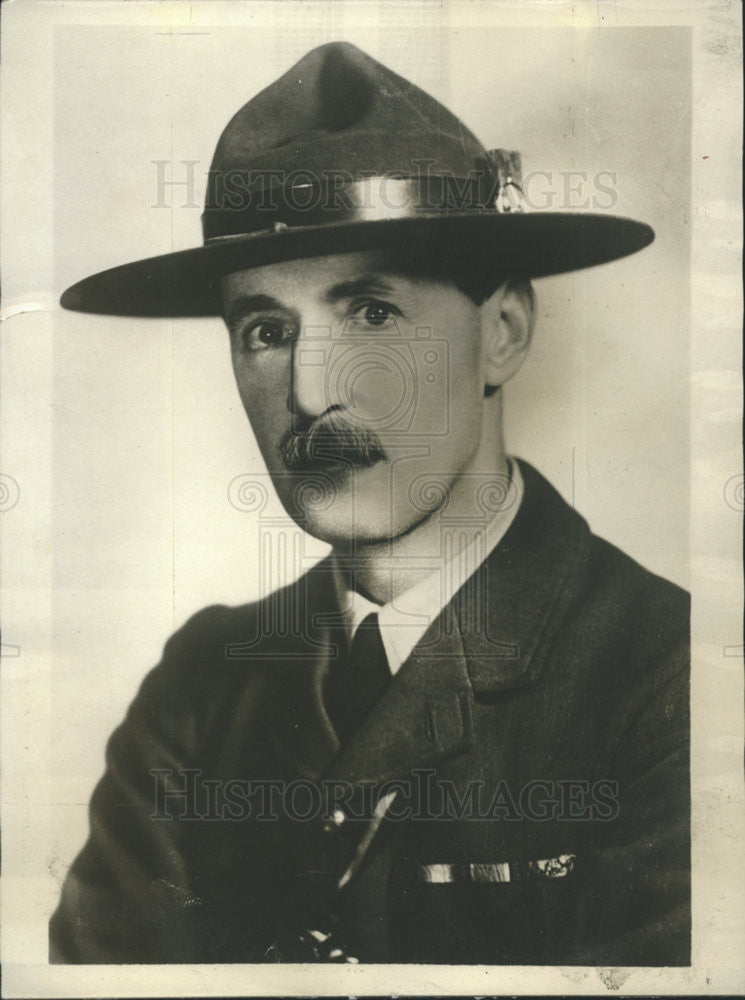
341 154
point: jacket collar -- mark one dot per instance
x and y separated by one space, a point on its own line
493 637
511 608
424 716
405 620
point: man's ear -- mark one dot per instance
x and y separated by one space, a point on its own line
507 318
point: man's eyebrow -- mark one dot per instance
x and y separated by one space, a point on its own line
368 284
246 304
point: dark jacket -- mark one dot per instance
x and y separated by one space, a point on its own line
539 735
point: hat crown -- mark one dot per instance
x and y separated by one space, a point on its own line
338 155
338 111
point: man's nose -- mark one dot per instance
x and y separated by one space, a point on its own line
309 391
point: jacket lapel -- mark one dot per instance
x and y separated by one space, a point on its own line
424 716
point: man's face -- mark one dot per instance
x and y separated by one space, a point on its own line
362 385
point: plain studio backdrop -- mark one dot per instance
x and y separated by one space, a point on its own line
148 431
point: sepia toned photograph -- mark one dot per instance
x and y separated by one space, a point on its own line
377 447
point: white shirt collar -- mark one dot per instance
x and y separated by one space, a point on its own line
404 620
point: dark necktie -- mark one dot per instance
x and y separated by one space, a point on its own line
356 684
353 686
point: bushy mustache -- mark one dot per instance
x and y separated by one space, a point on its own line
330 440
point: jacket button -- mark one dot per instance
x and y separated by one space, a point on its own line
332 823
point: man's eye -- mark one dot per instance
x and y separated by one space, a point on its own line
267 333
376 314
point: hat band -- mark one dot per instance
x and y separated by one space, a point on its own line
277 207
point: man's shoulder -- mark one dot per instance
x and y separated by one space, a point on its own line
609 566
620 634
229 633
601 600
642 619
604 566
222 640
229 661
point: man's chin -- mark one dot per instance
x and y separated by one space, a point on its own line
339 505
349 530
349 506
338 470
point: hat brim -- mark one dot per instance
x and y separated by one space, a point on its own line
521 245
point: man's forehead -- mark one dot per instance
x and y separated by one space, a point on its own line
331 276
